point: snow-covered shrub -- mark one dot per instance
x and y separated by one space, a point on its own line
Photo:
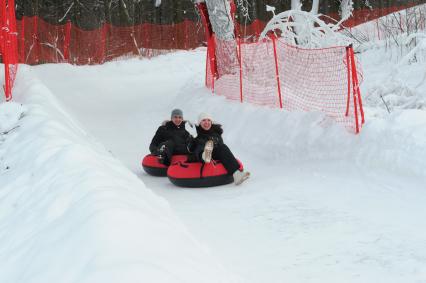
305 29
397 30
418 52
403 36
393 94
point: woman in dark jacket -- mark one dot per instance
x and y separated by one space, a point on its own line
209 145
171 138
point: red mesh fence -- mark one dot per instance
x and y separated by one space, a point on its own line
250 32
408 21
275 74
42 42
8 46
361 16
386 23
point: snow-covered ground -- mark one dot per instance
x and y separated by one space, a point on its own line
322 205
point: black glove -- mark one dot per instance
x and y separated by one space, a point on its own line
153 149
215 141
157 150
190 143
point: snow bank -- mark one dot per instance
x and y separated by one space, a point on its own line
391 86
394 55
10 113
391 142
71 212
271 135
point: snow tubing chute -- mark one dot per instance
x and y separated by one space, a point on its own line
153 167
199 175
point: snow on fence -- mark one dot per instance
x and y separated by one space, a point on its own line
273 73
8 46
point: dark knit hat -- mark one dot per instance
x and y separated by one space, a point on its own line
176 112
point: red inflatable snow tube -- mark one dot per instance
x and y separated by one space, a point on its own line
153 167
198 175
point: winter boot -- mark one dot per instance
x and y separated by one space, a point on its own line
240 176
162 154
207 153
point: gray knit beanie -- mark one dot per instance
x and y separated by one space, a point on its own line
176 112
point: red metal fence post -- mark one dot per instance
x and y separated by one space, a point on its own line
211 46
185 29
348 67
4 46
241 68
22 41
211 50
357 91
67 41
277 74
8 46
103 55
35 47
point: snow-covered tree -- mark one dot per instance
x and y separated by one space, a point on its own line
220 18
297 5
306 28
346 8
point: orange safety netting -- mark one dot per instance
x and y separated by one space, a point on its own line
8 46
360 16
273 73
41 42
38 41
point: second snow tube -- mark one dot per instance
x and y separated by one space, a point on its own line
153 167
199 175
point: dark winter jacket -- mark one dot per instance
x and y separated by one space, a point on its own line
170 132
214 134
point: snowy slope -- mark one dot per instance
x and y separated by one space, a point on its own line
323 205
71 212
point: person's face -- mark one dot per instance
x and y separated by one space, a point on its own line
177 120
206 124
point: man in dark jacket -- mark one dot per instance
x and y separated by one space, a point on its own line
209 145
171 138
